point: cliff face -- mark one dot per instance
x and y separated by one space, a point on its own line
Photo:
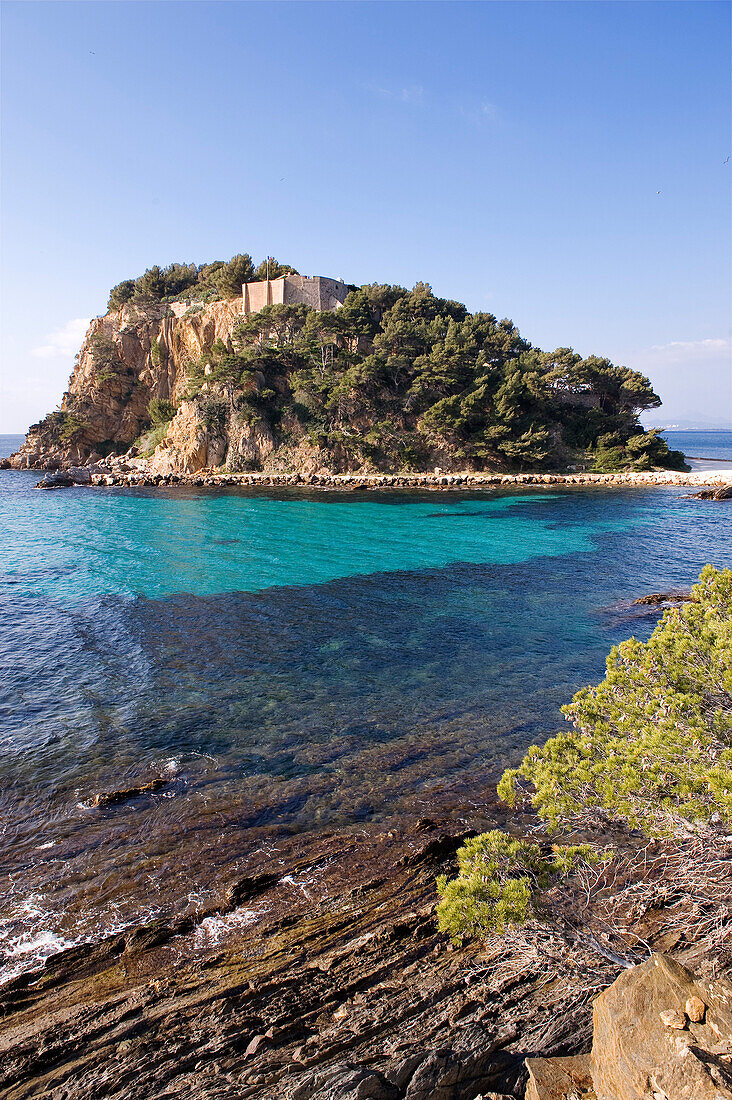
129 357
208 431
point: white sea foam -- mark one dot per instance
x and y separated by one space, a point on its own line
212 930
28 938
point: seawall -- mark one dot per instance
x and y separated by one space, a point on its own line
354 482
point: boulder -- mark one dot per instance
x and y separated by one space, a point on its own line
659 1033
80 475
476 1064
639 1047
344 1081
61 480
723 492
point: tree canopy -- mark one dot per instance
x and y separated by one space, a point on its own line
219 279
396 378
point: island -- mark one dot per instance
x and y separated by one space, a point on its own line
234 369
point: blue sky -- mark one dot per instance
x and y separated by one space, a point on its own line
511 154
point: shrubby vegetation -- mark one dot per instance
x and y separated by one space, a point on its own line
652 744
63 425
651 750
204 282
160 413
498 881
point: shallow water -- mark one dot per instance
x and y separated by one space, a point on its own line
290 662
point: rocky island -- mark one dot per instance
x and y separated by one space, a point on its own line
231 369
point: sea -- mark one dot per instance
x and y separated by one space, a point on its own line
291 662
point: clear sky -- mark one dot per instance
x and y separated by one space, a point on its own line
561 164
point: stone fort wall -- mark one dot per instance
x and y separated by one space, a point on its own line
315 291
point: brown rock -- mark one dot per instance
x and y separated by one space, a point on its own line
663 597
111 798
560 1078
695 1009
723 492
671 1017
635 1041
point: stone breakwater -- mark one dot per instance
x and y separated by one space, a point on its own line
121 476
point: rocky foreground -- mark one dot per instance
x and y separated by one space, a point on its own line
324 977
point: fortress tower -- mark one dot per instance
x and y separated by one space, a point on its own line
315 291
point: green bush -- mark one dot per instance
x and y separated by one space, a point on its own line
497 882
64 425
214 413
160 410
652 744
640 451
146 442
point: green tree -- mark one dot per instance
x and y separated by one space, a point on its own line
652 744
499 883
272 270
150 286
160 411
229 277
120 294
178 278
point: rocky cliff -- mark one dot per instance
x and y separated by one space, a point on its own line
130 357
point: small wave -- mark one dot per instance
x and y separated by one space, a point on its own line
28 939
212 930
28 942
30 952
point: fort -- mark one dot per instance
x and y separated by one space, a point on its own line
315 291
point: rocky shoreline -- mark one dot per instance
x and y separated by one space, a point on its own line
131 473
330 981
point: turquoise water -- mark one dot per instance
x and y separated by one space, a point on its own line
292 662
158 543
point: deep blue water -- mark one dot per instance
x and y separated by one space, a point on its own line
292 662
701 444
9 443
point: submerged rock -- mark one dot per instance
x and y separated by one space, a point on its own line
111 798
348 993
663 597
